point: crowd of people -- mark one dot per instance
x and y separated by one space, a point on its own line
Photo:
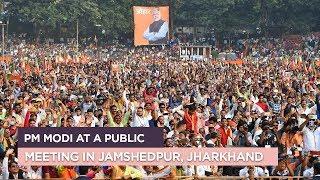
272 99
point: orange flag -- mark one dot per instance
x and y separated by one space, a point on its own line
16 77
37 70
27 69
237 62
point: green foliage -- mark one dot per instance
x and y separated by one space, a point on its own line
215 54
295 15
207 13
115 16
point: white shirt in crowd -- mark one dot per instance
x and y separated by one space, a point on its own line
5 169
308 110
258 172
95 122
140 121
201 170
77 119
34 174
308 172
41 115
165 117
170 134
150 176
311 139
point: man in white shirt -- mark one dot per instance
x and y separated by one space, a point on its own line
131 103
304 109
94 120
139 120
11 170
200 98
311 133
252 171
200 170
36 107
150 173
77 116
34 172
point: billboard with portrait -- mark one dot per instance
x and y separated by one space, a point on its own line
151 25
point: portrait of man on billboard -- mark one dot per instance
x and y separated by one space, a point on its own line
157 32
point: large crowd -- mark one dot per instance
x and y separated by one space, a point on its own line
272 99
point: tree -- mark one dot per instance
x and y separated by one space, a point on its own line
207 13
295 16
48 15
115 16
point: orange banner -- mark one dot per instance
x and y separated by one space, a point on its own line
236 62
151 25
